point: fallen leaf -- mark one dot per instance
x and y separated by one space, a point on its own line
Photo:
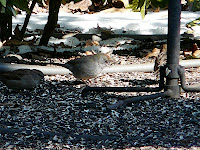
88 43
18 42
95 43
187 53
155 52
194 47
196 54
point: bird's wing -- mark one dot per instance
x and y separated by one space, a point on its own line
19 74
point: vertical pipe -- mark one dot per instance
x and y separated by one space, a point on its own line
173 47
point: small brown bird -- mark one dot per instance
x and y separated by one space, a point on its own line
161 59
22 79
88 67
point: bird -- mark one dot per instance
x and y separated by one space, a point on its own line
88 67
161 59
22 79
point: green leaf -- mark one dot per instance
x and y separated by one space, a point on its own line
159 3
64 2
142 11
193 23
141 3
3 10
21 4
3 2
14 12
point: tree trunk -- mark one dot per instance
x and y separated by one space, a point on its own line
26 21
5 26
54 6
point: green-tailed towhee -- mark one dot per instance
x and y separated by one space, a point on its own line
88 67
22 79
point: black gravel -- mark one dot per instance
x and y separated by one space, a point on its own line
56 116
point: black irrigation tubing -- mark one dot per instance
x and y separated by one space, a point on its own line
136 99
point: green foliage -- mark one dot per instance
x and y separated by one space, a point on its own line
142 5
134 5
159 3
3 2
190 1
195 5
21 4
193 23
6 6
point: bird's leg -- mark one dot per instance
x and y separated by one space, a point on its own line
87 81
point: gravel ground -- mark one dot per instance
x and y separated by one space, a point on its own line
56 116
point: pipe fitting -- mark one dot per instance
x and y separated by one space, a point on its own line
171 71
187 88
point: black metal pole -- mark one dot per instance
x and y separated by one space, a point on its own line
173 47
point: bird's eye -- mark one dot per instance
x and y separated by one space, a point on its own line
107 61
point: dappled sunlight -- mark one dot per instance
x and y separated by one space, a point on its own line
103 50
